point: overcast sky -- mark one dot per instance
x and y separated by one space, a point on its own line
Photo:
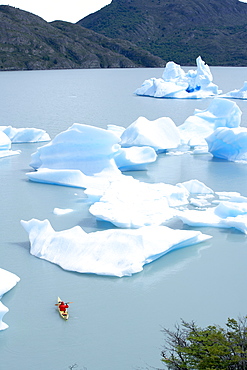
51 10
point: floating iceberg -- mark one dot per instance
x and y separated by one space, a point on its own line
5 146
150 204
220 113
231 213
134 158
25 135
237 94
195 187
175 83
7 281
157 204
160 134
110 252
228 143
84 155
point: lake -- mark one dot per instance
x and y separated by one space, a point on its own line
115 323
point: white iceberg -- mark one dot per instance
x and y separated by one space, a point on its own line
110 252
25 135
86 156
61 211
160 134
81 147
228 143
158 204
195 187
227 214
220 113
150 204
134 158
74 178
237 93
7 281
5 146
175 83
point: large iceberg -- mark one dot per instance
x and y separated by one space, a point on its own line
237 93
157 204
25 135
228 143
85 154
150 204
175 83
220 113
160 134
110 252
7 281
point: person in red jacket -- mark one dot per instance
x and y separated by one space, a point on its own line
63 306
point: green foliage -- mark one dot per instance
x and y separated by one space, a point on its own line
213 347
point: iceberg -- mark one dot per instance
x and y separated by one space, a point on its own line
195 187
81 147
5 146
87 156
150 204
134 158
231 213
160 134
7 281
160 204
175 83
220 113
228 143
237 94
25 135
110 252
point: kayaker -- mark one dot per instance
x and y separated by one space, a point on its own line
63 306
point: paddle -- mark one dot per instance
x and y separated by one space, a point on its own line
57 304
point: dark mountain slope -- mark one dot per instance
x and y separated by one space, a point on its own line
178 30
29 42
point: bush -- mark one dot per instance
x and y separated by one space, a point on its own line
213 347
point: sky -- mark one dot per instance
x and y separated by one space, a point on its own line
51 10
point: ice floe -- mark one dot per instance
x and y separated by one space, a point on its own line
61 211
110 252
157 204
5 146
160 134
220 113
9 135
228 143
175 83
226 214
237 93
25 135
83 155
7 281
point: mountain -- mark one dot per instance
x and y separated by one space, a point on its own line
178 30
29 42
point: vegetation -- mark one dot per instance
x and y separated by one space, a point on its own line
213 347
178 30
29 42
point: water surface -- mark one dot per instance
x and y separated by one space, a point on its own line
115 323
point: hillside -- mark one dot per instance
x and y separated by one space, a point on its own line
178 30
29 42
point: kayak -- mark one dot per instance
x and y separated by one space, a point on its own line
64 315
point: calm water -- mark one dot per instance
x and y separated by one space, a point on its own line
115 323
